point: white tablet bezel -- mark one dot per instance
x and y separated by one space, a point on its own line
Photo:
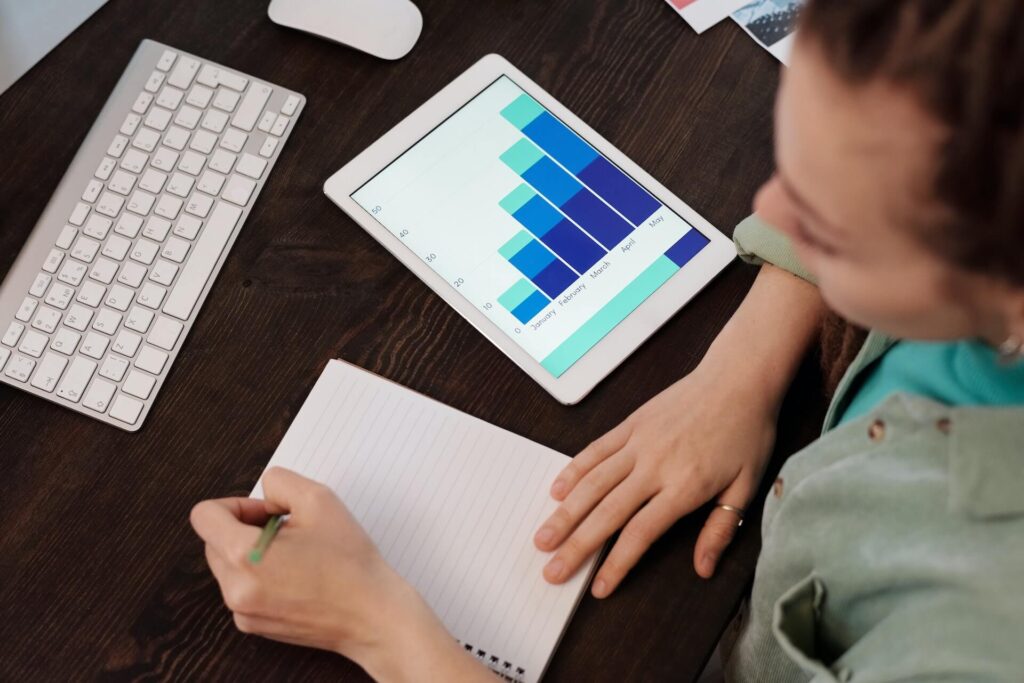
617 345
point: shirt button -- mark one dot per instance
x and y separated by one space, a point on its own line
777 488
876 432
944 425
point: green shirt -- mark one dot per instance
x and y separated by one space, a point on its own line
961 373
893 546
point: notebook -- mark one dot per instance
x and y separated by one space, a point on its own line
452 503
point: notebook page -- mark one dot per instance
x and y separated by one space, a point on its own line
452 503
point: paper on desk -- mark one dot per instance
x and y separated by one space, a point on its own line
703 14
772 24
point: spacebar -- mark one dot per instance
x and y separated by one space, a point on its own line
203 260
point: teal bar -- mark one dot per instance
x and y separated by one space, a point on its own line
521 156
516 294
517 198
613 313
521 112
512 247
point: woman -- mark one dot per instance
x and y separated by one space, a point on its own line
894 545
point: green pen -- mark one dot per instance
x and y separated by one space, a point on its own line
266 536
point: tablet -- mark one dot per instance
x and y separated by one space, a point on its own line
558 248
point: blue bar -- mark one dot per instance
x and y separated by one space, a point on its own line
555 279
555 138
594 216
619 190
532 259
551 181
575 248
538 216
533 305
686 248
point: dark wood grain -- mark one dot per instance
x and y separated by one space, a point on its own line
100 574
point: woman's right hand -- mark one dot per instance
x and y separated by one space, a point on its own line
704 438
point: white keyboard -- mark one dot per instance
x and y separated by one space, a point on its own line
101 298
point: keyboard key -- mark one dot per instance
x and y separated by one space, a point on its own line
49 372
280 126
98 395
103 271
122 183
192 163
251 166
110 204
13 334
290 105
222 161
176 138
142 103
169 207
180 185
151 295
170 97
233 81
78 317
92 190
60 296
114 368
234 140
139 319
203 141
158 118
94 345
214 121
67 236
183 73
208 76
200 266
78 214
128 225
97 227
166 60
72 273
164 159
4 355
117 146
126 409
188 227
116 247
175 250
40 284
84 249
267 121
239 190
146 140
91 294
132 274
164 334
252 106
65 341
133 161
226 100
54 259
163 273
119 298
107 321
188 117
199 96
130 125
33 343
105 168
138 384
20 368
126 344
152 181
76 379
151 360
27 308
46 319
156 228
211 182
199 204
154 82
141 202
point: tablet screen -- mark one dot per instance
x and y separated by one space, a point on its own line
530 223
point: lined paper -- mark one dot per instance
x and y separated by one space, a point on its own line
451 501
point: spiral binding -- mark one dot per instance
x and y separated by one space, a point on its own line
505 669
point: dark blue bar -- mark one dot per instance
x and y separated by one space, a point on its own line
555 279
562 144
619 190
594 216
575 248
532 259
551 181
686 248
538 216
533 305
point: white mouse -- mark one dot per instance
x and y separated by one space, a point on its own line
383 28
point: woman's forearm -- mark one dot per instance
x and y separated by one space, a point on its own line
767 338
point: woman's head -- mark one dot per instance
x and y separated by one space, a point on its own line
900 151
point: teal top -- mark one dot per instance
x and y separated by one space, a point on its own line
960 373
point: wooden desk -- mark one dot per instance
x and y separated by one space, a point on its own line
100 574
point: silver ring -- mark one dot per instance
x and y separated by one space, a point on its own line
735 510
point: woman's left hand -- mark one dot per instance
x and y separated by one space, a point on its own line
322 583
